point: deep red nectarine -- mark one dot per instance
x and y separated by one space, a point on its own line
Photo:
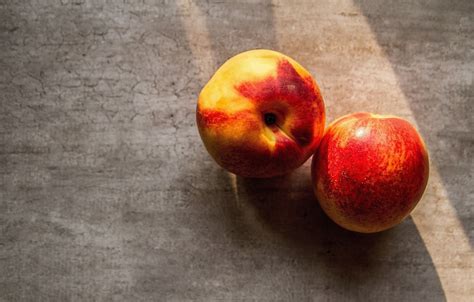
370 171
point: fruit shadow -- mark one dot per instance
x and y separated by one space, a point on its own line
360 265
287 207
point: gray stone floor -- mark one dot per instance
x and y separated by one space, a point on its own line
108 194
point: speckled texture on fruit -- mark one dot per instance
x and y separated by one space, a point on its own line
370 172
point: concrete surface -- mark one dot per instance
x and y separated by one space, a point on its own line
108 194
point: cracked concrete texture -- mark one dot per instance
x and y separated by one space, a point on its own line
108 194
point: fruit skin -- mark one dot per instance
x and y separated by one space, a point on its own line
231 108
370 171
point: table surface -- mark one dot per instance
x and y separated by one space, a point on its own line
107 192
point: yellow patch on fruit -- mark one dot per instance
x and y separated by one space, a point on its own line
220 93
338 133
270 137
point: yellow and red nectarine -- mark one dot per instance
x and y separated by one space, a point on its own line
261 114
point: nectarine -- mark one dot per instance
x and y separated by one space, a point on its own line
370 171
261 114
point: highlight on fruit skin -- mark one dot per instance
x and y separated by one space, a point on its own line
370 171
261 114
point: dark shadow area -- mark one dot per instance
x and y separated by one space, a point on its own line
429 44
394 264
